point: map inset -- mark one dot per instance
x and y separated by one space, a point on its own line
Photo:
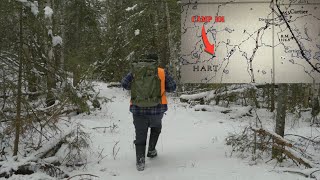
275 41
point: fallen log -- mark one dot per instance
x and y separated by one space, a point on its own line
49 149
199 97
80 175
114 84
280 144
308 173
32 164
30 168
291 155
278 139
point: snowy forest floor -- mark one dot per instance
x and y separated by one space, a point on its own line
191 145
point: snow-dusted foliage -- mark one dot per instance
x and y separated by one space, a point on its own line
56 40
48 12
32 5
131 8
136 32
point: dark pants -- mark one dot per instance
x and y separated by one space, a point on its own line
142 124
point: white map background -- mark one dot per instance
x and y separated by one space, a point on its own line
275 41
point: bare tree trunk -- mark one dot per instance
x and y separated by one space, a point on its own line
172 60
155 23
268 95
18 115
76 76
306 96
62 26
51 83
29 73
4 87
253 96
272 101
281 116
315 102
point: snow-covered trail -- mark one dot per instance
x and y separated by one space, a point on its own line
191 145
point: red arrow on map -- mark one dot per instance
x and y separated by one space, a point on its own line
209 48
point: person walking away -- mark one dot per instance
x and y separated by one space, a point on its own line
148 84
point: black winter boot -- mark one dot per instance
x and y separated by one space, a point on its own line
140 155
154 135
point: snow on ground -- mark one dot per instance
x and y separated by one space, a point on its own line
191 145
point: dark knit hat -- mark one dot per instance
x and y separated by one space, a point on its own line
153 56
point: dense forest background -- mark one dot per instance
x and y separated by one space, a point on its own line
52 50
